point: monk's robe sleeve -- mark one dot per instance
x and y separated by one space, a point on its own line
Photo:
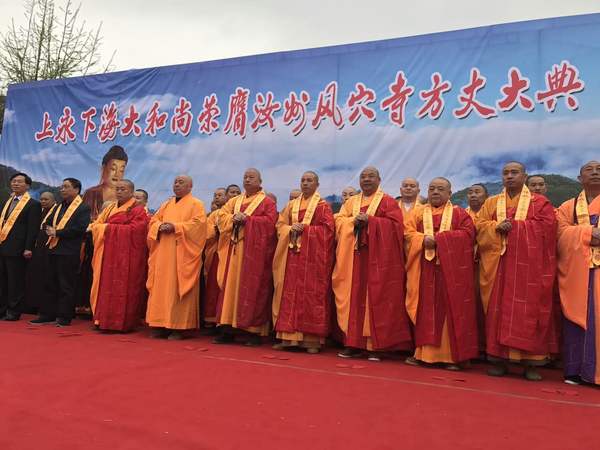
574 254
155 222
414 250
344 256
225 217
280 259
211 224
488 238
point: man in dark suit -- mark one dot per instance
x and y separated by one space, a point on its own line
65 227
19 222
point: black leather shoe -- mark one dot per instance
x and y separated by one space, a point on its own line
63 322
42 320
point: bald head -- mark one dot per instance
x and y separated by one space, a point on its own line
182 185
409 190
252 181
348 192
439 192
589 177
47 200
369 180
514 177
124 190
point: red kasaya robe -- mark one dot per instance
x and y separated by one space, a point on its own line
124 268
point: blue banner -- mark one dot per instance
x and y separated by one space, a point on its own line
454 104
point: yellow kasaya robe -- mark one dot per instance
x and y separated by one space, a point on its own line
97 227
254 309
174 264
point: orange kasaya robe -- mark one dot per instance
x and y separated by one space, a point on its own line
174 264
440 296
245 274
302 275
369 277
579 285
516 287
211 264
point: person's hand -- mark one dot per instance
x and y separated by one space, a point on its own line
27 254
239 218
297 228
51 231
361 220
166 228
504 227
429 242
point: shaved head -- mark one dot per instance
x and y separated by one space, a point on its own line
252 181
446 180
409 190
182 185
410 180
371 169
520 164
588 164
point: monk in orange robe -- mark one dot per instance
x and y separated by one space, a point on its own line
119 261
440 297
247 243
211 261
409 197
579 278
516 234
477 194
302 269
369 275
176 238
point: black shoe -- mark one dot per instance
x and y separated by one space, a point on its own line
42 320
254 341
176 336
224 338
350 352
63 322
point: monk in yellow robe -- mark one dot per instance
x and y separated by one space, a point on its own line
247 243
516 234
440 295
477 194
119 261
176 238
369 274
211 261
579 278
409 200
302 269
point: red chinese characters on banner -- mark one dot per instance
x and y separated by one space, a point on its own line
88 123
155 120
327 107
109 123
396 102
295 109
358 102
433 98
130 123
468 100
264 107
64 130
181 121
46 131
237 116
207 119
561 81
514 92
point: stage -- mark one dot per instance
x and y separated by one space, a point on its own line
74 388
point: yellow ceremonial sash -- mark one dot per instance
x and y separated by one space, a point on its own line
521 214
53 240
48 214
445 225
583 218
14 215
248 211
295 242
371 210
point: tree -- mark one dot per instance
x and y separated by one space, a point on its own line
53 43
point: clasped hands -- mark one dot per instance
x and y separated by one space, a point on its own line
166 228
239 218
504 227
429 242
297 229
361 220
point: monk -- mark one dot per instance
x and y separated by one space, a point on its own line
477 194
440 297
211 261
141 198
176 239
233 190
119 261
295 193
247 243
369 275
537 184
348 192
302 269
516 234
579 278
409 196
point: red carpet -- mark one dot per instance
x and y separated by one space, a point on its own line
73 388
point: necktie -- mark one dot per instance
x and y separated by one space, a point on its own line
11 207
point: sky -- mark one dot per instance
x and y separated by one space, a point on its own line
148 33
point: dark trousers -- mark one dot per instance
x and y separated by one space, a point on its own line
12 285
61 277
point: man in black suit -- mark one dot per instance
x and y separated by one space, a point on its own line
19 222
65 228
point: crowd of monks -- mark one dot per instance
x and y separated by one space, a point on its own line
509 279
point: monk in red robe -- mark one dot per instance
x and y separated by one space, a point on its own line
247 243
302 269
369 274
118 288
440 295
516 234
211 261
